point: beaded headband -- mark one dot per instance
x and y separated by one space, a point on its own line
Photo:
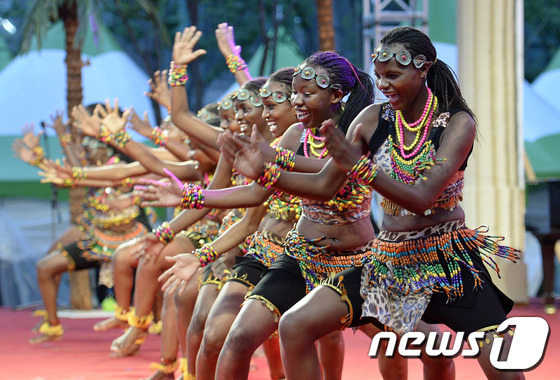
225 104
244 94
277 96
322 80
403 57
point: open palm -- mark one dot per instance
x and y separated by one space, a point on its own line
183 47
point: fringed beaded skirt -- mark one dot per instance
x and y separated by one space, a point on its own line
317 263
405 268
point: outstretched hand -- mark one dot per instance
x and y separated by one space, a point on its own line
226 40
30 139
57 124
162 193
183 47
344 153
111 117
245 156
183 269
148 246
54 172
22 151
160 91
84 122
141 126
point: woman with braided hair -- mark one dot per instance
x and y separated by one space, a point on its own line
426 264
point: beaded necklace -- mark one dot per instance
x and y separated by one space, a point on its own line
423 124
408 167
310 139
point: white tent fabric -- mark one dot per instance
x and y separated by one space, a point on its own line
546 86
33 86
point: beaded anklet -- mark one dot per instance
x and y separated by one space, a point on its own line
140 322
165 368
193 197
164 233
177 75
270 175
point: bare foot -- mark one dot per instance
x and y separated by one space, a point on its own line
129 343
48 333
110 323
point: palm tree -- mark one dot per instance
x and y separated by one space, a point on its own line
75 15
325 22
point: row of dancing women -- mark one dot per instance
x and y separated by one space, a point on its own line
272 243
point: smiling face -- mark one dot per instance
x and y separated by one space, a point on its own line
313 104
277 110
400 84
247 114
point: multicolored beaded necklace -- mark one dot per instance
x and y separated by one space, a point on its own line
408 167
310 139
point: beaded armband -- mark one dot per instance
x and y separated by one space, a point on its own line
159 137
38 155
177 75
235 63
364 170
104 134
78 173
121 138
285 158
270 175
164 233
193 197
205 254
65 139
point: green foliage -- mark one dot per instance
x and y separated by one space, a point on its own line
542 34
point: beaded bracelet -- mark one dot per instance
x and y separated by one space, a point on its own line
137 200
65 139
121 138
78 173
69 182
364 170
193 197
270 175
159 137
104 134
164 233
128 182
177 75
235 63
205 254
285 158
38 155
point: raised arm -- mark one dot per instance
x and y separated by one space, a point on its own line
183 54
232 53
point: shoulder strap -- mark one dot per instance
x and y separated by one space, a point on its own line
380 134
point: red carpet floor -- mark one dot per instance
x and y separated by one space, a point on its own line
84 354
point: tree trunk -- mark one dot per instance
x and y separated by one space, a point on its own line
80 294
325 22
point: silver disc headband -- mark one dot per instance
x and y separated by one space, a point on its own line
403 57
